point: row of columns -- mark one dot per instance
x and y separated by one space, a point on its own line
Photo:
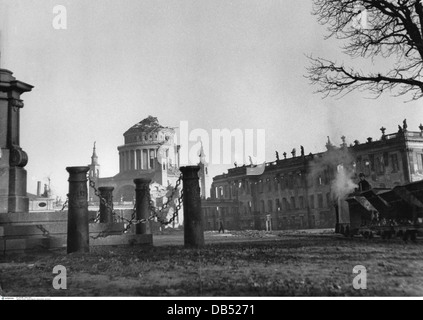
137 159
78 228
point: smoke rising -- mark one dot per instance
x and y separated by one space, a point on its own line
337 167
343 184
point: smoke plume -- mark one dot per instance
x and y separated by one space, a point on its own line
343 184
337 167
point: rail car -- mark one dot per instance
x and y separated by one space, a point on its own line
396 212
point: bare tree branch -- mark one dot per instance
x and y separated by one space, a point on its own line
393 30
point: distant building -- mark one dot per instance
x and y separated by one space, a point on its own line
148 152
41 202
302 191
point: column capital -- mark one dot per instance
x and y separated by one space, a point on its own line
77 174
190 172
142 183
9 83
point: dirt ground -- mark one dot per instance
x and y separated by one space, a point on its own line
234 264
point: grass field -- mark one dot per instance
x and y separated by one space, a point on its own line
235 264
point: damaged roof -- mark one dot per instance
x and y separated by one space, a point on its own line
148 125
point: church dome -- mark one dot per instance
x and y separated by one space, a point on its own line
148 130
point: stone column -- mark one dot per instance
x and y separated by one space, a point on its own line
120 162
129 160
135 159
106 211
123 160
132 159
138 153
13 196
193 218
122 154
148 159
142 191
78 232
154 158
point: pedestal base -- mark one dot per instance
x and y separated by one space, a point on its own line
13 197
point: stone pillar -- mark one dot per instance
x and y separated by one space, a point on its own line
142 191
148 159
129 160
106 211
13 196
138 153
193 218
78 232
125 162
120 162
132 161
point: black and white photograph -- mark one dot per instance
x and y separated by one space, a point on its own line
210 154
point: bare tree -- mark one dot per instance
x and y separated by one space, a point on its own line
388 29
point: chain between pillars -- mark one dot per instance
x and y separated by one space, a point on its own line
106 207
78 229
155 212
107 204
142 218
65 204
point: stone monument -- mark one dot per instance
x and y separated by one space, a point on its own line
13 196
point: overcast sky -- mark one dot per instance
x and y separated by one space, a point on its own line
214 63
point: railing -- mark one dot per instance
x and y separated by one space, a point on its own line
406 133
414 134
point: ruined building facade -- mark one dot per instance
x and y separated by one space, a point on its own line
302 192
